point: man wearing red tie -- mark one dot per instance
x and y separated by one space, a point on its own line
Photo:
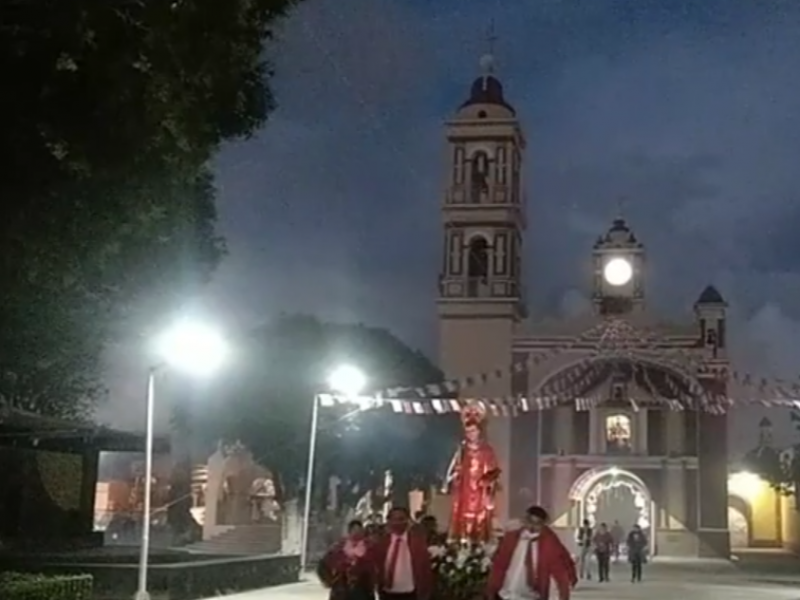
405 570
528 559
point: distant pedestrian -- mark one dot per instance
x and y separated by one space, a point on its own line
618 533
637 552
603 547
585 539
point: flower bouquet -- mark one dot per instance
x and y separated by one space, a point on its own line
461 570
344 567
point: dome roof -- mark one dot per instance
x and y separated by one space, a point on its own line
487 89
619 234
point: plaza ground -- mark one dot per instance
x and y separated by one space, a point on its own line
682 580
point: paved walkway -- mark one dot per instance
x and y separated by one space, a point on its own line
665 581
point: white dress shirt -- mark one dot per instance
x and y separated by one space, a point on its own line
515 585
403 580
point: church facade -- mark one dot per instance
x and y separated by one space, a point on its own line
622 386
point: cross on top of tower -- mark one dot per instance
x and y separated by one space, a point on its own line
487 88
491 37
487 61
621 202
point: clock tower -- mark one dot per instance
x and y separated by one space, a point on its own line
618 259
480 291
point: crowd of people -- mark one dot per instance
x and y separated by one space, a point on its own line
351 569
393 561
606 545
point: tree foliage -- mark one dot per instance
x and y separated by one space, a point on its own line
110 114
266 404
781 470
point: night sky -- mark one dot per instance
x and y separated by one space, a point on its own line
688 110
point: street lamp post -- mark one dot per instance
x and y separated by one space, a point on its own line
348 381
194 349
144 550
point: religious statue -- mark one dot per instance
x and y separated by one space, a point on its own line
472 481
263 500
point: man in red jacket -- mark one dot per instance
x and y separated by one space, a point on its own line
528 559
404 566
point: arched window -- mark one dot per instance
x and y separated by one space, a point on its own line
618 434
479 177
478 258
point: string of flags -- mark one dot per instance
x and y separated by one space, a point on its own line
611 342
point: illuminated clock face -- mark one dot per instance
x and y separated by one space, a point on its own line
618 271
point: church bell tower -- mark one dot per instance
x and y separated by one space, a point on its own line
480 290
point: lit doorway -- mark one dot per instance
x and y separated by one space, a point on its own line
615 495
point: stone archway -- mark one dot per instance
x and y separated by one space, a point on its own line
612 494
739 522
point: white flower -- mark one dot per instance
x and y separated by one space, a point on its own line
355 550
462 557
486 563
436 551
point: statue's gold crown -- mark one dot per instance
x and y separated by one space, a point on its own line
473 415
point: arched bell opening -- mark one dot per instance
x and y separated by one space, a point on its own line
477 266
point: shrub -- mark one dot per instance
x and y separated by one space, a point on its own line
26 586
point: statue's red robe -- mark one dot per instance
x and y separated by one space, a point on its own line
472 481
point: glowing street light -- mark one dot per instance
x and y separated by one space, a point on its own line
745 485
195 349
192 347
348 381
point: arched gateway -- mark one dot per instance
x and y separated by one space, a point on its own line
627 441
618 386
614 496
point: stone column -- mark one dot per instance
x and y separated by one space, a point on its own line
563 425
524 462
526 430
675 497
712 457
595 429
640 433
563 478
674 425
